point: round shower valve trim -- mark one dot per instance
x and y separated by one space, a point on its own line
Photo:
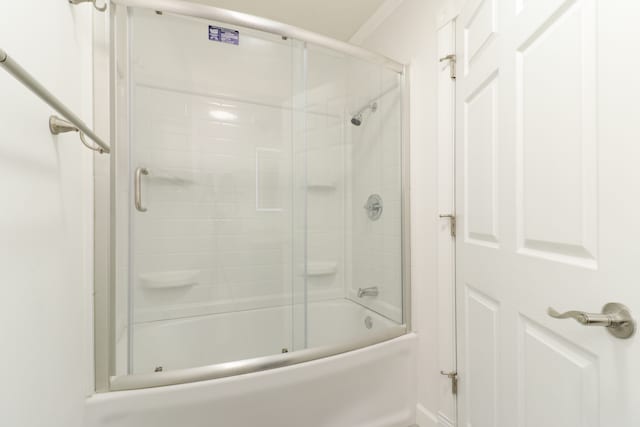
374 207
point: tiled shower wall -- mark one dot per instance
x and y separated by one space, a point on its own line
228 222
219 210
219 206
376 246
245 193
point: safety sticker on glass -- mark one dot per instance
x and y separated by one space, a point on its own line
224 35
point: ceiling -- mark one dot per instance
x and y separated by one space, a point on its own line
339 19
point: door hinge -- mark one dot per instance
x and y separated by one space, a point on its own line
452 64
452 221
453 376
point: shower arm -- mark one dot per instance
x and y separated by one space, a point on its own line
373 101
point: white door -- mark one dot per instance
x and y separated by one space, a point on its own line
547 170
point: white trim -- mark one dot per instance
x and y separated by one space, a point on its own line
425 418
101 274
446 244
448 12
444 421
375 21
88 255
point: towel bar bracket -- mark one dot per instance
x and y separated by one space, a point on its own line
95 4
58 126
71 121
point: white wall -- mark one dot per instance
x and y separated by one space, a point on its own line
46 220
408 35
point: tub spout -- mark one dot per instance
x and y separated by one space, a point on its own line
368 292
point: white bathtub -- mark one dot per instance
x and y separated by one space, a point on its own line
370 387
216 338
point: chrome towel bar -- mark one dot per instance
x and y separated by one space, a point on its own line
20 74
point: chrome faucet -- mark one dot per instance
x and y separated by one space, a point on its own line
368 292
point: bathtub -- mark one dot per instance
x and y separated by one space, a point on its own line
370 387
223 337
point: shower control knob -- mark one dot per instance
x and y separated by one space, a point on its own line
374 207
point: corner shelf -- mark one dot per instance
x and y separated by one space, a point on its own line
169 279
320 186
321 268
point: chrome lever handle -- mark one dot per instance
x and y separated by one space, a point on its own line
615 317
138 188
587 319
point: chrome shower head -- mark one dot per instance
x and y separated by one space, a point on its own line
356 120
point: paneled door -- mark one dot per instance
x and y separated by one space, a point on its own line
547 153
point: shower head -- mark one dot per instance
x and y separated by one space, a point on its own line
356 120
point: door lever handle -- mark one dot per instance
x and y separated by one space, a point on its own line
615 317
587 319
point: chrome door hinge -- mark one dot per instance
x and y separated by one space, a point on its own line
452 223
452 64
453 376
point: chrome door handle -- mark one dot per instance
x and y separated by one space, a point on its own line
615 317
138 188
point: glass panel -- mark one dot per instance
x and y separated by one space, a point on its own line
270 198
376 170
212 275
299 224
354 154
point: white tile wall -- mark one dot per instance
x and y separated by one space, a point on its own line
376 248
216 197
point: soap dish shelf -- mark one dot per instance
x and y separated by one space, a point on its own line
321 268
169 279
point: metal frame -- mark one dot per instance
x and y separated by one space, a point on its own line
23 76
196 10
222 370
406 201
230 369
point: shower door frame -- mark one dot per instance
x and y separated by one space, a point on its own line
106 62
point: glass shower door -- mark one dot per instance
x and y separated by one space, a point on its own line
217 213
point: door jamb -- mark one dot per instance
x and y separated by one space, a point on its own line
447 337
